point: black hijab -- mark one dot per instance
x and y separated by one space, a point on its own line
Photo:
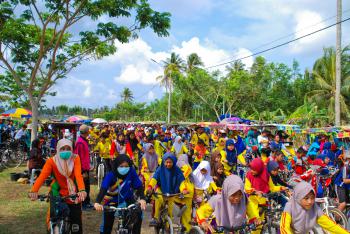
118 161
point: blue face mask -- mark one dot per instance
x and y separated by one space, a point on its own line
65 154
123 170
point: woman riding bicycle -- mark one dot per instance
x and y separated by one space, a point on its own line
68 180
228 209
117 189
301 213
168 179
257 183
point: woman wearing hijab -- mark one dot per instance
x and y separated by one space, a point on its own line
149 163
301 213
36 160
117 189
229 208
218 174
68 180
202 179
168 179
179 147
258 182
230 157
220 145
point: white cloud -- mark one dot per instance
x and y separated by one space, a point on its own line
151 95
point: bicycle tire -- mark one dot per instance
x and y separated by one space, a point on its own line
163 230
20 158
93 163
335 211
196 230
100 174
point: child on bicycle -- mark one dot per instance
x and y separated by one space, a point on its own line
168 179
301 214
117 189
230 157
199 153
149 163
68 180
257 183
203 181
229 208
218 174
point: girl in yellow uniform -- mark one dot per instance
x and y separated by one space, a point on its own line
229 208
149 164
258 182
187 188
230 157
220 145
168 179
179 147
301 214
203 181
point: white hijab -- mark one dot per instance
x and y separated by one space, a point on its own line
177 145
65 167
202 181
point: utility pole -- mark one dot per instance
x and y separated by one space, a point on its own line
338 64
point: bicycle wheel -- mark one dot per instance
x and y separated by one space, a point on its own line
166 227
100 174
337 216
93 163
196 230
18 157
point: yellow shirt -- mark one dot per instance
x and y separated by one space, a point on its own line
103 149
324 221
203 136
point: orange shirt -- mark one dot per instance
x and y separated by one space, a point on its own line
51 168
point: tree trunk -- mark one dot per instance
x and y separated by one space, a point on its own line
35 118
338 64
169 103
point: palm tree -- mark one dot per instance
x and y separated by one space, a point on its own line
324 74
193 62
172 66
127 95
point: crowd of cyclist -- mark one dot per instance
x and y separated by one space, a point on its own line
234 170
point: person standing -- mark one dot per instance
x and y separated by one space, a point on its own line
82 149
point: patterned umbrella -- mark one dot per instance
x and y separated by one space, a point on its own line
76 118
17 113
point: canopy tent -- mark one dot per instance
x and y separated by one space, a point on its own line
99 121
17 113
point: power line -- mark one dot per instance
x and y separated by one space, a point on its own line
291 34
144 94
279 45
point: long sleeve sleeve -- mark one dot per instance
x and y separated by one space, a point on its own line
248 187
204 212
77 174
330 226
273 187
285 224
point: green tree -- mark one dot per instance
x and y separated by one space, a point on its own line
127 95
40 44
172 68
193 62
324 75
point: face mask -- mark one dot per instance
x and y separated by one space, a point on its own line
123 170
65 154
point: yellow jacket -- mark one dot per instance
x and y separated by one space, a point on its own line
324 221
103 149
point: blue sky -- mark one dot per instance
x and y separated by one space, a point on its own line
218 30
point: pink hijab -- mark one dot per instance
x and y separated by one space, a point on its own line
260 182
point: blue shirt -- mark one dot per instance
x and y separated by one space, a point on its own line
343 173
120 191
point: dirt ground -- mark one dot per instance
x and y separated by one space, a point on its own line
19 215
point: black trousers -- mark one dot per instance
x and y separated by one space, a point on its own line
86 176
75 216
108 221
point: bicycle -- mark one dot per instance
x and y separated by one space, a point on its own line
100 172
332 211
245 228
165 223
60 224
124 217
273 212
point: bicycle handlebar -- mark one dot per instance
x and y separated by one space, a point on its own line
251 226
42 197
113 208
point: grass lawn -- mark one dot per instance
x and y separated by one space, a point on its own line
18 214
